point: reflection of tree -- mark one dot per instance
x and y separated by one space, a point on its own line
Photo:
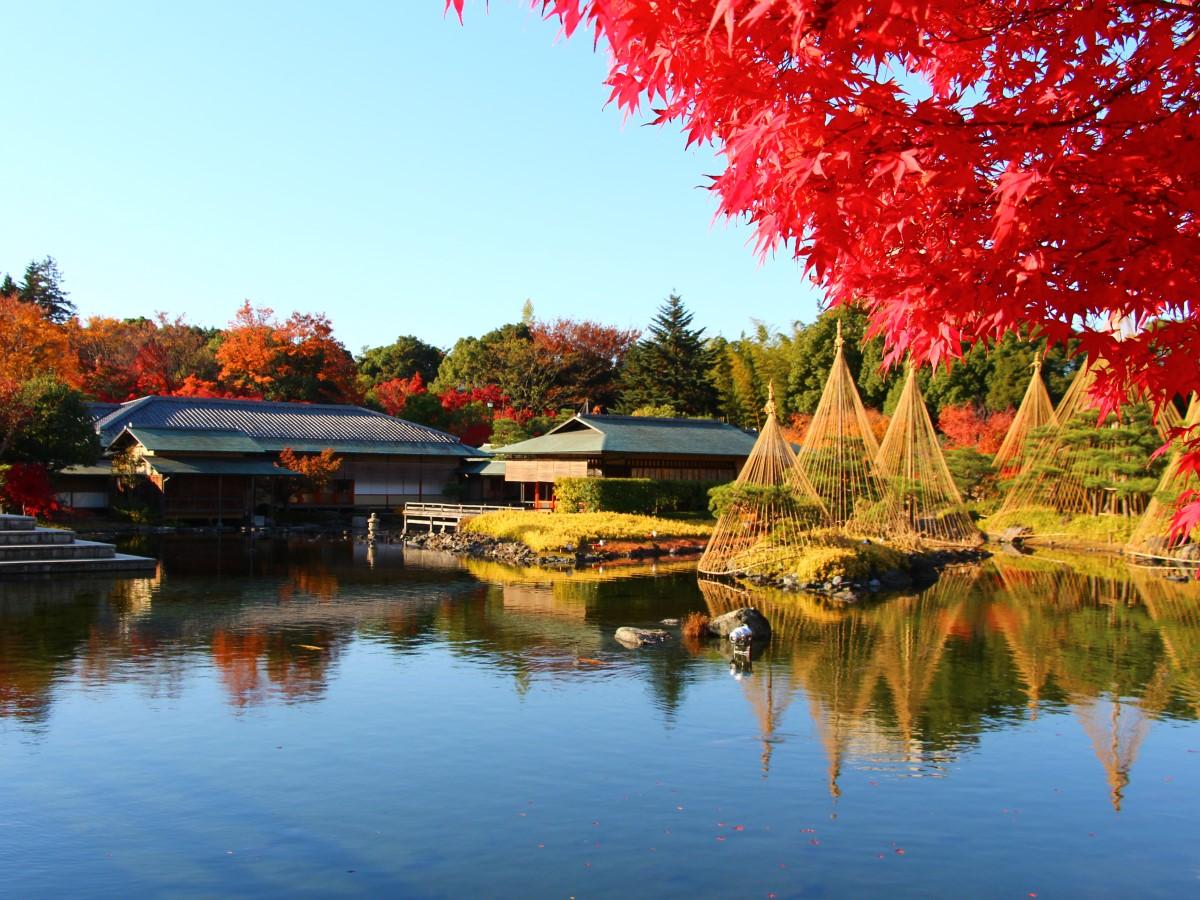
43 626
293 663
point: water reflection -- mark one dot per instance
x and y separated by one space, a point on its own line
904 686
911 682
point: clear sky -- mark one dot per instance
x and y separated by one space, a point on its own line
374 161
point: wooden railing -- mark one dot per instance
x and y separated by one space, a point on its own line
445 515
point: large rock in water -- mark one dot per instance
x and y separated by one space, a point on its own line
760 628
641 637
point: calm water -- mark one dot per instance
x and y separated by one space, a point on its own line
291 721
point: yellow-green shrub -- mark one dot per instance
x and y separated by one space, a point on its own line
544 532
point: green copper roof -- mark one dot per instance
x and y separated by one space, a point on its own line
207 466
590 435
193 440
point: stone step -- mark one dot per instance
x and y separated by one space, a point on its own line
41 552
17 523
119 562
37 536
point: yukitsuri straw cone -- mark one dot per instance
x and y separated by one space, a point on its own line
1152 538
1035 411
839 449
1043 480
768 524
1168 419
920 494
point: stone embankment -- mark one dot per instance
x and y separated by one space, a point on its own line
920 570
478 546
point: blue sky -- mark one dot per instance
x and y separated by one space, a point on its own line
393 169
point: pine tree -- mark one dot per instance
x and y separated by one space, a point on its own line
42 286
671 366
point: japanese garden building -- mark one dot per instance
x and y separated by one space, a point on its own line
595 446
206 459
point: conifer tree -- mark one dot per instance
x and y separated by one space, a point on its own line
671 366
42 286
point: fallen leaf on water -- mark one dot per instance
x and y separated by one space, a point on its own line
739 827
899 851
310 647
588 661
720 837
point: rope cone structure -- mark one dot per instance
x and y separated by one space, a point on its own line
1080 467
920 494
770 511
1035 411
1168 419
838 454
1043 480
1152 538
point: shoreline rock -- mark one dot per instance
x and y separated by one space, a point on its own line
923 570
478 546
631 637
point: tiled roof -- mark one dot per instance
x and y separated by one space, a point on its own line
100 410
272 426
637 434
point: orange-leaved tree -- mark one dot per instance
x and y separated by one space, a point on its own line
318 469
297 360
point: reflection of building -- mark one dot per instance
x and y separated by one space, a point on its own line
196 458
625 447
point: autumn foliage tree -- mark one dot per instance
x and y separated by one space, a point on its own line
295 360
968 425
318 469
963 169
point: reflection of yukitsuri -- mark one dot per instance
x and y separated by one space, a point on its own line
1152 538
1115 677
911 641
831 651
1175 609
1024 611
920 495
1035 411
1116 730
770 512
838 453
768 699
836 675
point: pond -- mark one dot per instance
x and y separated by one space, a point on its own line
308 719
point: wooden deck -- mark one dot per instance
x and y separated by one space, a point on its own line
444 516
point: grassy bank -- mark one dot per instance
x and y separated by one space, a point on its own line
1090 531
544 533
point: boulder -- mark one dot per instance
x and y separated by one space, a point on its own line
641 637
1015 534
760 628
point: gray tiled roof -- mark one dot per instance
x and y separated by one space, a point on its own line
344 428
639 435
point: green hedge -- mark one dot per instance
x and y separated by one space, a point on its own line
630 495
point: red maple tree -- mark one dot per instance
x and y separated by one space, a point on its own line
962 168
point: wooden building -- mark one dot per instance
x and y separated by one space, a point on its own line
217 459
594 446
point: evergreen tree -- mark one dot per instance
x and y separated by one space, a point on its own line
8 287
403 358
42 286
53 428
672 366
